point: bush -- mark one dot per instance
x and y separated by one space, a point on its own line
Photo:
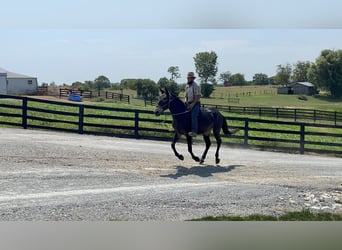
207 89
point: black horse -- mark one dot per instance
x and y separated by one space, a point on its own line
209 119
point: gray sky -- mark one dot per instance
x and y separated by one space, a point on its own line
68 41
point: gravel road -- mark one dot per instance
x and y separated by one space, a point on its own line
59 176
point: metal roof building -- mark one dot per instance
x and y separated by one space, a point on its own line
298 88
14 83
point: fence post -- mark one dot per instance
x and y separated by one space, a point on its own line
136 124
245 142
80 119
24 113
335 117
302 138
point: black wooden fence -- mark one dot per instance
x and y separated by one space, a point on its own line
332 117
88 119
307 115
90 94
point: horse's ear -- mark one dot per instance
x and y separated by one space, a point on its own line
161 90
167 92
173 95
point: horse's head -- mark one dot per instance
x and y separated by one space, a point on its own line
163 102
169 101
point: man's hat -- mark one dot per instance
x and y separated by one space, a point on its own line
191 74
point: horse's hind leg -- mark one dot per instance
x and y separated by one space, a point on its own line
218 141
207 146
173 146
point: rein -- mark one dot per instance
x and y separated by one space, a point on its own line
181 113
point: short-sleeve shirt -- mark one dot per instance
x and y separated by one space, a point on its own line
192 90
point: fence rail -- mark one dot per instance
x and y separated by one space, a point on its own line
286 136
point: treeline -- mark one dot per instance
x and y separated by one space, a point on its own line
325 73
145 88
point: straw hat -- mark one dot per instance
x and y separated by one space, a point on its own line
191 74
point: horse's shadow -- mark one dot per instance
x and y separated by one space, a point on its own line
201 171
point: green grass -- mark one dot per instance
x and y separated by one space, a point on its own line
260 96
304 215
281 101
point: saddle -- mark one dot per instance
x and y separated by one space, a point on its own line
203 111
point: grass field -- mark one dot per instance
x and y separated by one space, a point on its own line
270 100
259 96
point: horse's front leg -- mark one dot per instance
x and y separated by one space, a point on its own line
189 141
173 146
207 146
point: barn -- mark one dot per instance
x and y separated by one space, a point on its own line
14 83
298 88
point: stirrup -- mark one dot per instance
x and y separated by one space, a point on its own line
192 134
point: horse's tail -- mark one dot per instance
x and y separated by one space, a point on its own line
225 128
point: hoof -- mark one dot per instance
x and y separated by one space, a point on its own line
201 161
196 159
217 161
181 157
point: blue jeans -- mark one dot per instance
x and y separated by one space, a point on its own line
194 117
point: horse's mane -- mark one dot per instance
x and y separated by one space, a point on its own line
176 105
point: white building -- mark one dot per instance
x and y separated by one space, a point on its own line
14 83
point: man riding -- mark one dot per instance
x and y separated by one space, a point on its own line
192 99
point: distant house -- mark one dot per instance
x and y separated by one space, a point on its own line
14 83
227 84
298 88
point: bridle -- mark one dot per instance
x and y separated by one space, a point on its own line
167 105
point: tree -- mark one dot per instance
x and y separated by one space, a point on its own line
80 86
225 76
170 85
238 79
283 75
89 84
260 79
174 71
163 82
101 82
128 84
206 65
327 71
300 71
146 88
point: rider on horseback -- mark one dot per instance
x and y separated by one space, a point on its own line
192 99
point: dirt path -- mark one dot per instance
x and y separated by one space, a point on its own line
59 176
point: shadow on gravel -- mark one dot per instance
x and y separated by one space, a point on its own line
202 171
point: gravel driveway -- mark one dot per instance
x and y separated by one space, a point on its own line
60 176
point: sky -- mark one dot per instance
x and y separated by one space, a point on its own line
68 41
